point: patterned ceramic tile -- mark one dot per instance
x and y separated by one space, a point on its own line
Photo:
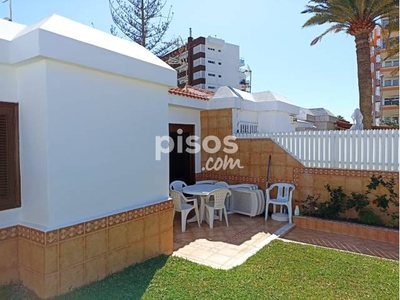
345 172
71 231
116 219
231 178
135 213
37 236
8 233
152 209
52 237
95 225
24 232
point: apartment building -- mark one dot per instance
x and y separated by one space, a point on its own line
385 77
209 63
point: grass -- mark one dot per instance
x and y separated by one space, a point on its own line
279 271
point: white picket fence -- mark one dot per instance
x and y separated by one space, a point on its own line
347 149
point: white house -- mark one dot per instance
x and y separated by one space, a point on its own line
89 106
256 112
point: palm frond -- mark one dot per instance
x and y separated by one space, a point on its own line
335 29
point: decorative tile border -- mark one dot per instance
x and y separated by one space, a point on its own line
52 237
70 232
116 219
37 236
341 172
66 233
243 179
95 225
24 232
220 177
8 233
136 213
296 173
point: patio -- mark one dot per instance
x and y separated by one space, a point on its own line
226 247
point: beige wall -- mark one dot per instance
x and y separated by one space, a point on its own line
254 153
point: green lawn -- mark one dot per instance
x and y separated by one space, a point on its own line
279 271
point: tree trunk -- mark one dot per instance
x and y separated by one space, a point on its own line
364 77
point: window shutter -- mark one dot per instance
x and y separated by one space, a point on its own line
9 157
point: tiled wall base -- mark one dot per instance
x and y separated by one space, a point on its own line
356 230
56 262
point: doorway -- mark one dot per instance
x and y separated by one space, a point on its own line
181 165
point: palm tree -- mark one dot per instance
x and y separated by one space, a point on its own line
357 18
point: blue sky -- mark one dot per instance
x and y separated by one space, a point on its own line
269 34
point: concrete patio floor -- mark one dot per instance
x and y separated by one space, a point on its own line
223 247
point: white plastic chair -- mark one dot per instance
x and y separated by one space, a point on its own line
224 185
283 197
221 184
177 185
181 204
217 203
206 182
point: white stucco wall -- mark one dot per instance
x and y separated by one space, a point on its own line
87 143
101 143
32 98
188 116
275 121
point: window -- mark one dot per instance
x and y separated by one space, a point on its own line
219 50
391 120
391 101
199 48
211 74
385 23
211 62
199 61
391 63
391 82
199 74
211 49
10 195
219 76
244 127
210 87
220 63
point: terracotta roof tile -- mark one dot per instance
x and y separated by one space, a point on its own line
191 92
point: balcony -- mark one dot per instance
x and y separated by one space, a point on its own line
391 102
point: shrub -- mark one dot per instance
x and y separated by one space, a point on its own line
368 217
309 206
358 202
331 209
384 201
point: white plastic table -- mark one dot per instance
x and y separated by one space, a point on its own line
202 190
